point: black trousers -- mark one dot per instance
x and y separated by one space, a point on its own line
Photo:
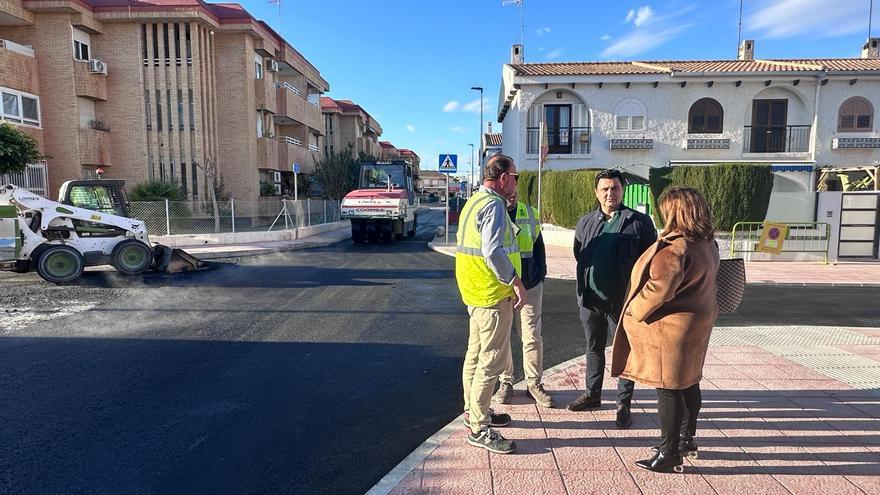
678 415
598 329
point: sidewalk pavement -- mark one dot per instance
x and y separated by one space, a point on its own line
218 251
777 418
561 265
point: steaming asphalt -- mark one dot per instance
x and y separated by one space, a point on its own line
307 372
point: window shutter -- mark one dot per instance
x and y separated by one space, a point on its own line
579 115
638 122
621 123
847 121
863 122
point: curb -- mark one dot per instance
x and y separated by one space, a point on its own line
760 282
417 456
244 253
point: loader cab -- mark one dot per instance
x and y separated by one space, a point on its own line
104 195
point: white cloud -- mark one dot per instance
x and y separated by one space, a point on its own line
554 54
459 129
649 31
474 106
640 41
541 49
410 128
643 15
788 18
605 37
542 31
451 106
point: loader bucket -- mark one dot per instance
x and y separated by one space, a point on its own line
174 260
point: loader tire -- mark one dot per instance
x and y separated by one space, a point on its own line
60 264
131 257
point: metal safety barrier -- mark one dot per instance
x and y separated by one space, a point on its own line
197 217
809 238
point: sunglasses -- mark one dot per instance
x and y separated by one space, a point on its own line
515 176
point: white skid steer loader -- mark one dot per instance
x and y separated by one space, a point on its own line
88 226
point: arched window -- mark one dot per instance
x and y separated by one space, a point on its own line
856 115
630 115
706 117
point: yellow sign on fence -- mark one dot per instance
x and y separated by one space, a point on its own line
772 236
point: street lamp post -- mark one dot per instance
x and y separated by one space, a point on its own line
480 89
471 178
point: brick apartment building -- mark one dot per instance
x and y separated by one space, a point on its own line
347 123
155 89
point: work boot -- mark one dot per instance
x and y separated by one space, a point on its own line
584 402
491 440
624 418
496 420
504 393
542 398
662 463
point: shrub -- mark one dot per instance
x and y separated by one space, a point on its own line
17 149
158 190
566 195
736 192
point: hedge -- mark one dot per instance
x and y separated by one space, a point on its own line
736 192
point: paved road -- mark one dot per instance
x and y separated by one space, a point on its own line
306 372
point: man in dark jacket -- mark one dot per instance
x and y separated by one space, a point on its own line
607 243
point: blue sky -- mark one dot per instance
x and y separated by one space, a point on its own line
411 63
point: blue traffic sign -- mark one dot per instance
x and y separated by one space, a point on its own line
448 164
295 167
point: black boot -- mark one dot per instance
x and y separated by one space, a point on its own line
662 463
687 447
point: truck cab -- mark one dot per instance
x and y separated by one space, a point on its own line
383 207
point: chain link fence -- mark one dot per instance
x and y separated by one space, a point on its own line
198 217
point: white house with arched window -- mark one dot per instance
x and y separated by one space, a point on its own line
793 114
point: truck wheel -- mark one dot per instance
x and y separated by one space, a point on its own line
388 232
60 264
131 257
412 233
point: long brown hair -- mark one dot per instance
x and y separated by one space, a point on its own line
685 210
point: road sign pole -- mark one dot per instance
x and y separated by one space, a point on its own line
447 209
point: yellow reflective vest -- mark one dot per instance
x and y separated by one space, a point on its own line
527 219
478 284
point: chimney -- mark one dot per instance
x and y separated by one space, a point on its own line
746 50
490 128
871 48
516 54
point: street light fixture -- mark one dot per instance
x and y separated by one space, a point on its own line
471 179
480 89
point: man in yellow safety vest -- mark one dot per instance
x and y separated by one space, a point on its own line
487 270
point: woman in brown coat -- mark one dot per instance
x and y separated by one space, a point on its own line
668 315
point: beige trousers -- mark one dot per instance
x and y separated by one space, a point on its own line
488 355
529 320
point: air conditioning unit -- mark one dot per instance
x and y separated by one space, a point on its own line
278 189
276 177
97 67
272 65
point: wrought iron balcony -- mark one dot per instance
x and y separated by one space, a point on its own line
776 139
560 140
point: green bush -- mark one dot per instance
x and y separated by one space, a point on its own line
157 190
566 195
736 192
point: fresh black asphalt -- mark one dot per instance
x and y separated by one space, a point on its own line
306 372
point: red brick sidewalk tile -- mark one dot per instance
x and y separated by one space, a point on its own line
665 484
812 485
457 482
410 485
528 482
738 484
600 483
456 453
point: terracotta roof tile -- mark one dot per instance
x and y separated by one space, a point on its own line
714 66
581 68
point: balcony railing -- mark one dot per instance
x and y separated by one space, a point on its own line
290 140
290 87
776 138
313 147
314 99
560 140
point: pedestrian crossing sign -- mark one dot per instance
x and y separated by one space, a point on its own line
448 164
